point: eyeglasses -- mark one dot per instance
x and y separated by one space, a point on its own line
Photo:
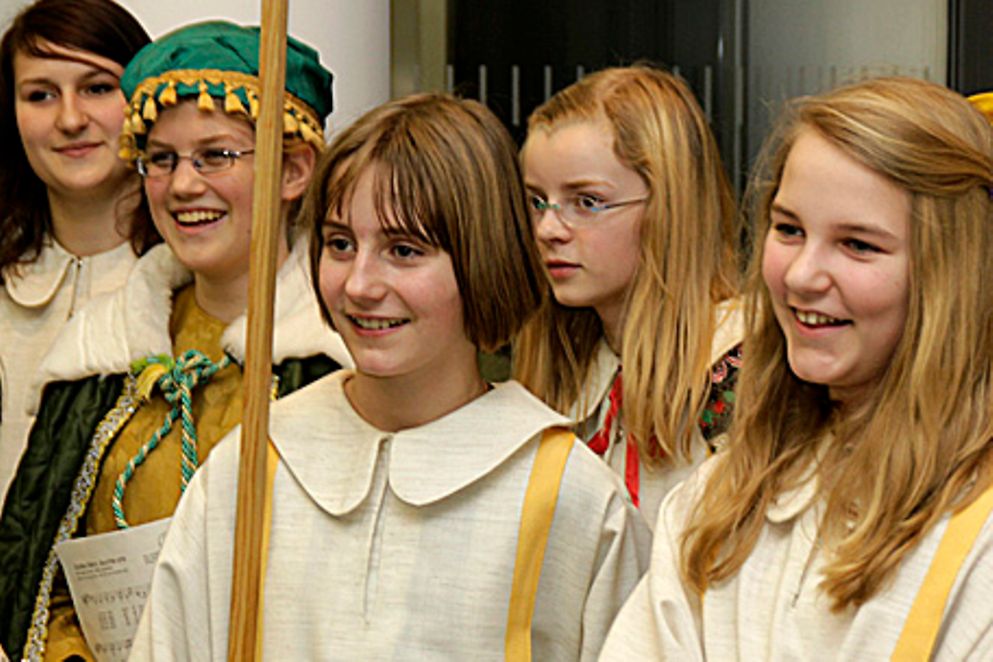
577 210
205 161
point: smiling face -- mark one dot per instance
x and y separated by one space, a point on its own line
836 262
205 219
393 298
591 264
70 110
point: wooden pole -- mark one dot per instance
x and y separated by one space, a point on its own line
245 632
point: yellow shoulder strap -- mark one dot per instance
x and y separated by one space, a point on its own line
536 520
924 621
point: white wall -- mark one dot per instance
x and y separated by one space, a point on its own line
804 46
352 36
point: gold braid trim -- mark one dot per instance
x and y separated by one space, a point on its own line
107 430
299 119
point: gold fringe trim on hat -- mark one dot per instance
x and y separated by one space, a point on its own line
232 102
299 119
168 95
204 100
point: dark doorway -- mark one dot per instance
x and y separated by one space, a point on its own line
513 54
970 46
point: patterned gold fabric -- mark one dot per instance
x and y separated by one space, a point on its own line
154 490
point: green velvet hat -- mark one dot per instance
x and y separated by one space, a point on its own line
218 63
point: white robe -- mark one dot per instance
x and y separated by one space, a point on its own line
654 482
773 608
34 306
398 546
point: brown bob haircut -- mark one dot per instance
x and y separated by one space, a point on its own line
446 173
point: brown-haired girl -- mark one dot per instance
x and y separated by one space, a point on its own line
850 516
72 218
405 515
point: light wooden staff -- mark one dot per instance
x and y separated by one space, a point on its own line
245 632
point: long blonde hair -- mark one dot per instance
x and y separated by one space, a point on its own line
686 267
921 445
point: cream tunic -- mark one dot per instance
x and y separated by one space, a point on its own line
34 306
398 546
654 482
772 609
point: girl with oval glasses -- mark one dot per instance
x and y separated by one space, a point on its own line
849 518
72 218
635 222
143 383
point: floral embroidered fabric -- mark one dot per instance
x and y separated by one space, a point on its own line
716 416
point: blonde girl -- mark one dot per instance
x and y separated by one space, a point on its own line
635 222
859 468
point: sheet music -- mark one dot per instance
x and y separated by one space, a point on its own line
109 577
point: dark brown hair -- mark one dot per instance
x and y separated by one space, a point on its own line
447 173
101 27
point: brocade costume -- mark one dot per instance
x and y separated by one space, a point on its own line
91 393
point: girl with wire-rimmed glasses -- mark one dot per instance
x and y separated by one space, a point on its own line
634 218
142 385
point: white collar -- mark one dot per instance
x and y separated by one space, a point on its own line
787 505
332 452
35 284
112 331
602 373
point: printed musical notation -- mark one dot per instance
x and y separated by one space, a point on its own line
109 576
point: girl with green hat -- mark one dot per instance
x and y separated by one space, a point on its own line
142 384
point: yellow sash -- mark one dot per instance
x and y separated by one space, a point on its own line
924 621
536 520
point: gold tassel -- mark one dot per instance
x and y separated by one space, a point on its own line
137 126
253 104
150 112
204 101
290 123
148 378
310 135
125 147
232 104
168 95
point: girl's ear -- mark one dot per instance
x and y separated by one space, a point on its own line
298 166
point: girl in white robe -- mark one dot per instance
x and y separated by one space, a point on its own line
401 529
72 217
634 219
850 517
